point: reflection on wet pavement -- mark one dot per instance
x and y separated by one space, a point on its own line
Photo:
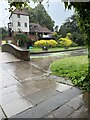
7 57
22 71
1 113
17 106
28 89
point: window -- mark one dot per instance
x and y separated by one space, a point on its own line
18 15
25 24
35 26
19 24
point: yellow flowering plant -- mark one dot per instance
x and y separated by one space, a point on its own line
66 42
45 43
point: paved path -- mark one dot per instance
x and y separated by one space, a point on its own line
28 90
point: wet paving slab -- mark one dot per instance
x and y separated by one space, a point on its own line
75 103
35 86
60 80
6 80
49 105
82 112
22 71
16 106
7 57
41 96
63 111
2 115
68 110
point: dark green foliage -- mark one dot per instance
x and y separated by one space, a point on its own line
3 33
71 26
22 39
17 4
40 15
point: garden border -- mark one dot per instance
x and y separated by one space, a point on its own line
41 52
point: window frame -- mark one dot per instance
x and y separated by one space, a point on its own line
25 24
18 15
19 24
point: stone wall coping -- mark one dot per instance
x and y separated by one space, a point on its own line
18 48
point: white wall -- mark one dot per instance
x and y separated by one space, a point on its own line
23 19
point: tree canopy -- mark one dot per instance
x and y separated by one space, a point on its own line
71 26
40 15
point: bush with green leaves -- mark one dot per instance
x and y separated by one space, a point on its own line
56 36
22 38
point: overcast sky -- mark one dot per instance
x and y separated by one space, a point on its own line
56 10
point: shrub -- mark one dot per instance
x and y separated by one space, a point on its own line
54 33
65 41
69 35
74 44
52 43
60 45
45 43
22 38
56 36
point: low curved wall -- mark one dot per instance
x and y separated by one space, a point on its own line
16 51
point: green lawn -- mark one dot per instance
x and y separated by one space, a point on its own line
74 68
37 49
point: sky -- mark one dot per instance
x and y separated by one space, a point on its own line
56 10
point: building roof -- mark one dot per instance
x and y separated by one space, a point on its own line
35 27
20 12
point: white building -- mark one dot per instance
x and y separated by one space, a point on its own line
19 21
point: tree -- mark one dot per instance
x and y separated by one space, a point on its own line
56 28
56 36
3 33
71 26
40 15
